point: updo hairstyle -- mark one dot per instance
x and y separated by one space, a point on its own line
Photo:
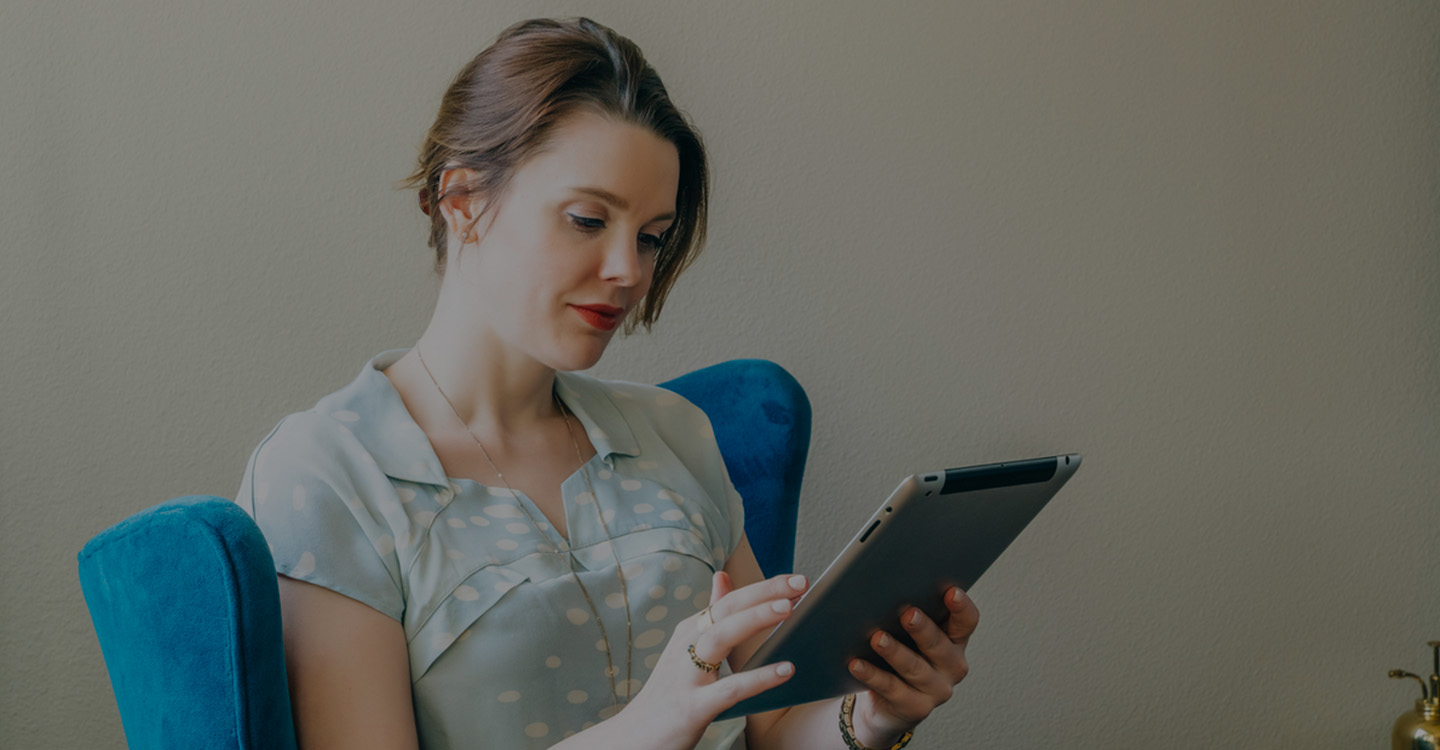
505 104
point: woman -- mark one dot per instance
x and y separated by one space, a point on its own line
478 547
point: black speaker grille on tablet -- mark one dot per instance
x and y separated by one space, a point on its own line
990 476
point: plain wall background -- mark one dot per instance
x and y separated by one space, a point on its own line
1195 241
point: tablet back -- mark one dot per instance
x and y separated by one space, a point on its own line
938 529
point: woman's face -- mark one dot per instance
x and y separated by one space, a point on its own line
571 247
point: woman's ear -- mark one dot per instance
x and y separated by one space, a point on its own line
458 205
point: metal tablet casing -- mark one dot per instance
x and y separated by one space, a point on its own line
981 510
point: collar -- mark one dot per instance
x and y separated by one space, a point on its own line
592 403
373 411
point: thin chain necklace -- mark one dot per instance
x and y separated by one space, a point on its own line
560 544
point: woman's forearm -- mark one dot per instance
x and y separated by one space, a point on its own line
602 736
619 732
613 734
810 725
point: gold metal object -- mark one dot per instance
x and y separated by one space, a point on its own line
1420 729
560 544
701 664
847 728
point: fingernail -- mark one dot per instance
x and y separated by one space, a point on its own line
858 666
785 668
782 606
884 640
914 617
797 582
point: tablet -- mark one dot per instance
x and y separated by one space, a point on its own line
938 529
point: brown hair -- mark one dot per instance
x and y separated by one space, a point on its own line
504 104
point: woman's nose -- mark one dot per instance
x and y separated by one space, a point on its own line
622 263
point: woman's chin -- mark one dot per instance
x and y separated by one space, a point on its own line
578 357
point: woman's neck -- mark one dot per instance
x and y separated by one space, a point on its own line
495 391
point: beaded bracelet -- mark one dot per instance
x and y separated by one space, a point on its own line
847 728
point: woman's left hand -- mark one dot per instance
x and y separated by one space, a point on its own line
895 704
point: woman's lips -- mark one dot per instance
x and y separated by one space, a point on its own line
603 317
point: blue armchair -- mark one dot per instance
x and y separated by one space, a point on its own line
187 610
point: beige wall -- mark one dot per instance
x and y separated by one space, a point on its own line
1196 241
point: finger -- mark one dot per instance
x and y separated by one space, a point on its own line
911 667
745 597
730 631
720 586
945 655
726 692
903 700
964 616
704 620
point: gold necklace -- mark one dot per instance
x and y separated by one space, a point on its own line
560 544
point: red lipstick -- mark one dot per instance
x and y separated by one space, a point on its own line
603 317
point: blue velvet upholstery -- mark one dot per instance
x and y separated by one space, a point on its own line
184 599
762 423
185 603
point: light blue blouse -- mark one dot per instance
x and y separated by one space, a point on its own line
504 650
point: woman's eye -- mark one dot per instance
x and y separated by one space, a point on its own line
585 223
650 242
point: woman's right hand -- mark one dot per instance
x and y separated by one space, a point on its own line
680 700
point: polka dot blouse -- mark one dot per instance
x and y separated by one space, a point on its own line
504 649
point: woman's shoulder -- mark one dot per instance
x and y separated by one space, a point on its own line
308 437
360 427
334 442
309 450
644 407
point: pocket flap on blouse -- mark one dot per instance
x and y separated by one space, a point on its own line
646 541
467 603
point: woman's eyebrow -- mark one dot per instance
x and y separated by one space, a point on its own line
616 201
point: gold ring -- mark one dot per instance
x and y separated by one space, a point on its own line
704 626
701 664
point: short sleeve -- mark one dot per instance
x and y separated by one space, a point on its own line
735 511
728 498
692 437
313 490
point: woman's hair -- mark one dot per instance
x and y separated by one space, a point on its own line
504 105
